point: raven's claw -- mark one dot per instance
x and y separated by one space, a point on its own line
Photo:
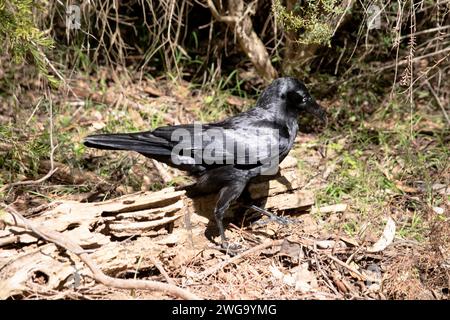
272 217
231 248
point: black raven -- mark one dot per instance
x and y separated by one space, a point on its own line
225 155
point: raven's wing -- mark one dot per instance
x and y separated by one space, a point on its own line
196 147
220 144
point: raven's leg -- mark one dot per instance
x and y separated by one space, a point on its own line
227 195
272 216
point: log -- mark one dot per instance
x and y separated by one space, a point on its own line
152 220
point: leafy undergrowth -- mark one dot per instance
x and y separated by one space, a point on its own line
391 163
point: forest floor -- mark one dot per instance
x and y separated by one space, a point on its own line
388 168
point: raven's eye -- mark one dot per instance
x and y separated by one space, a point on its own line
304 99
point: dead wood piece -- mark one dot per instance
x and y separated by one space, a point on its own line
115 257
85 238
162 170
135 227
141 201
70 213
84 225
340 207
22 237
16 219
288 162
17 275
152 214
4 241
143 207
289 180
15 235
296 200
153 91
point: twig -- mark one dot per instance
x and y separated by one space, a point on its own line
34 111
425 31
161 270
344 13
340 57
349 259
238 257
312 247
395 65
350 268
325 277
415 59
98 275
438 101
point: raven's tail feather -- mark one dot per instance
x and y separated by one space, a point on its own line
143 142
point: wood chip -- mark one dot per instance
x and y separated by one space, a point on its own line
386 238
340 207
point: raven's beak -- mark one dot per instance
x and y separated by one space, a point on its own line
317 111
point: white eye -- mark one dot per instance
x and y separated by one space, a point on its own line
304 99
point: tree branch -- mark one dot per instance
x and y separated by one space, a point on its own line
59 239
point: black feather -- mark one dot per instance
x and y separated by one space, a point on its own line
271 123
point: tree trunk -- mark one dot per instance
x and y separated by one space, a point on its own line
239 19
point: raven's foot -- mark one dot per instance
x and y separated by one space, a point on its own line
272 217
230 248
280 220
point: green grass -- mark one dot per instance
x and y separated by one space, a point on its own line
376 157
413 228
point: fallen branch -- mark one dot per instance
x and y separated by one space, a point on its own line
161 269
59 239
351 269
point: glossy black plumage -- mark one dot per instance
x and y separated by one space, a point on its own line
225 155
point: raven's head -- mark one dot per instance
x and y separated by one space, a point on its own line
296 97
